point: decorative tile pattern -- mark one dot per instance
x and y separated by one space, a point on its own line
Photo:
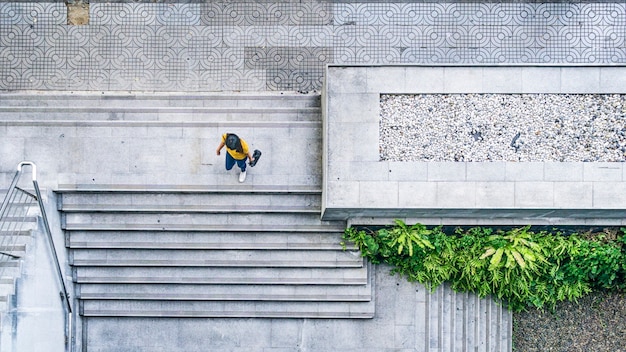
284 45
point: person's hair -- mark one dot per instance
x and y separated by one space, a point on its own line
233 142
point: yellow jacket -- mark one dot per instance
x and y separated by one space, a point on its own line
235 154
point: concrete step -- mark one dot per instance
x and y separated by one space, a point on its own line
203 116
204 240
7 287
85 106
190 202
196 218
162 292
158 99
150 248
213 309
14 249
216 258
10 267
211 209
166 220
205 228
19 233
17 220
219 276
165 189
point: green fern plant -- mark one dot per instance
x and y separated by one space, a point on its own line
514 248
521 268
406 237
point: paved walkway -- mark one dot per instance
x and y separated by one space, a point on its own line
285 45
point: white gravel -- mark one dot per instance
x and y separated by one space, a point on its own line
503 127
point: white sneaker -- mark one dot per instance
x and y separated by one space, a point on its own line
242 176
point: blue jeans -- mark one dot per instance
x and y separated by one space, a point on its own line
230 162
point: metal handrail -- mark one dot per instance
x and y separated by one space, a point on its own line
67 306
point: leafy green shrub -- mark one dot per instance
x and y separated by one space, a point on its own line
518 266
601 264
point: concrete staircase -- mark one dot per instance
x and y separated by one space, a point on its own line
156 228
11 268
247 251
244 109
175 250
16 231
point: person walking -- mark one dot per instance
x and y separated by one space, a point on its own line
237 152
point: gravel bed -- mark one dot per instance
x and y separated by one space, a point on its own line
596 323
503 127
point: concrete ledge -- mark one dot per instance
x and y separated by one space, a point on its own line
356 184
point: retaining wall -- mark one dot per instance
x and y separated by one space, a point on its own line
357 185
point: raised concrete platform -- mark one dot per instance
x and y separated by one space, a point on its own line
360 187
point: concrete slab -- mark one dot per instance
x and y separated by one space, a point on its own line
416 194
551 82
528 171
580 80
534 195
573 195
495 194
378 194
407 171
446 171
609 172
566 171
503 80
427 80
455 195
492 171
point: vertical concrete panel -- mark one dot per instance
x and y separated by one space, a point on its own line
417 194
502 80
580 80
345 80
495 194
541 80
463 79
609 195
408 171
388 80
446 171
565 171
573 195
340 194
612 80
534 195
609 172
424 80
378 194
456 194
421 316
492 171
530 171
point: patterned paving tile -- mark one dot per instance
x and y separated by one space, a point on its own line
284 45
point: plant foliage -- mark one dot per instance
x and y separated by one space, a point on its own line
518 266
